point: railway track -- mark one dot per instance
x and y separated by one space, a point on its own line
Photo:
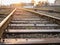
30 28
30 20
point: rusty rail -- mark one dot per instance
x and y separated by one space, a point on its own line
5 22
56 19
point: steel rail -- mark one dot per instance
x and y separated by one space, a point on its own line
5 22
56 19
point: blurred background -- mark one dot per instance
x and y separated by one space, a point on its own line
50 4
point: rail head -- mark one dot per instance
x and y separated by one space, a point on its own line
5 22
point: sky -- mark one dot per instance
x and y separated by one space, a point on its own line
7 2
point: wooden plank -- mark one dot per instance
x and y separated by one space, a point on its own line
31 30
